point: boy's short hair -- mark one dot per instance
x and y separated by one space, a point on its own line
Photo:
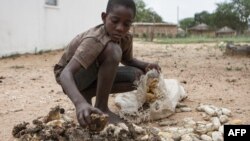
126 3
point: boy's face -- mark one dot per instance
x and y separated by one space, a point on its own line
118 21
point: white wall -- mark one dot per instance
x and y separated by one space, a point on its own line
30 25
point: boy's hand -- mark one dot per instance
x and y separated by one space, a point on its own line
83 112
151 66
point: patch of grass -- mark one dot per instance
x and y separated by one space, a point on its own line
230 68
11 56
201 39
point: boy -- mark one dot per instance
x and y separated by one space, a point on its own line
90 64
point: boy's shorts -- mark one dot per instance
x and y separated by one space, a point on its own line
84 78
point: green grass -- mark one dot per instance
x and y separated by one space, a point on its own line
200 39
15 55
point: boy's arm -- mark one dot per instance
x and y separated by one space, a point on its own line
145 66
83 109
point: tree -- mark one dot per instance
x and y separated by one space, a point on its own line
144 14
225 15
204 17
187 23
201 17
242 8
235 14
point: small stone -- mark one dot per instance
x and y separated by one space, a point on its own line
217 136
165 135
208 110
218 112
163 139
205 116
170 129
221 129
154 130
139 129
201 129
185 109
209 133
180 105
176 137
183 131
235 122
168 123
186 137
199 109
189 123
195 137
178 110
216 123
209 127
223 119
226 112
206 138
144 138
123 126
177 132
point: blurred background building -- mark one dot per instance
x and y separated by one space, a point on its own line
35 25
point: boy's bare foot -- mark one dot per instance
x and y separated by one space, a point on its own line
113 118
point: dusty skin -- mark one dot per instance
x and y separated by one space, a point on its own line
29 90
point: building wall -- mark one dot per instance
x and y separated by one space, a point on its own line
222 34
165 31
202 33
19 26
247 32
158 30
30 25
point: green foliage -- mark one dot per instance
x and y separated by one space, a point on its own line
234 14
205 17
187 23
225 15
144 14
242 8
202 39
201 17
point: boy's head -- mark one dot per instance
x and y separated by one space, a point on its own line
118 18
126 3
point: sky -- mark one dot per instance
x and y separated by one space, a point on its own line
167 9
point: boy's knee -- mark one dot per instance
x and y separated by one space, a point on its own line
112 53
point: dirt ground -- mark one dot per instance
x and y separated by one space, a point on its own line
29 90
